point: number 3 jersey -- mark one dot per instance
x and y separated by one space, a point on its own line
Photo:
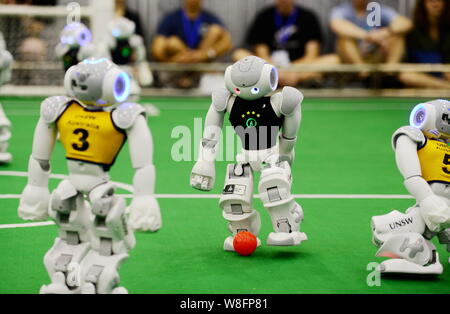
434 157
90 135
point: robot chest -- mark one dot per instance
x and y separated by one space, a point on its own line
90 136
434 160
256 113
256 123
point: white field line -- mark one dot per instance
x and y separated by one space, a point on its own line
129 188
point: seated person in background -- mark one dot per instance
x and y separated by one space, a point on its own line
190 35
429 42
284 34
358 42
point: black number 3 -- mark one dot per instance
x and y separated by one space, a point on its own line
446 162
83 145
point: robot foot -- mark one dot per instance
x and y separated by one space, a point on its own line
58 286
5 158
402 266
229 247
286 239
89 288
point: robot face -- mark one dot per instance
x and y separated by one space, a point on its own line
75 35
433 118
251 78
122 28
97 82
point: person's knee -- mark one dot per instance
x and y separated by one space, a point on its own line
174 44
214 31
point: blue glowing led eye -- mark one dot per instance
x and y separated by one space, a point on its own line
418 116
255 90
122 87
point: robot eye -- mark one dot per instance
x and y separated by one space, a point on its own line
255 90
237 90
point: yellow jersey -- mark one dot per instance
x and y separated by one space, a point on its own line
434 159
90 136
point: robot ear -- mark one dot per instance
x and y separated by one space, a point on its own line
273 78
269 78
68 81
422 115
116 86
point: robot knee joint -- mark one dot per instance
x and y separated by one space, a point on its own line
63 200
275 184
236 197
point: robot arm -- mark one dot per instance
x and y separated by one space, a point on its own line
144 209
203 174
433 209
35 197
290 107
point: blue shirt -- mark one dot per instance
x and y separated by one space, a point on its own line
191 32
346 11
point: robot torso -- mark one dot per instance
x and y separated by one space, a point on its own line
90 135
256 123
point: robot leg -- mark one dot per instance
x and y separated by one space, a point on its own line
71 214
405 239
111 240
236 203
285 212
5 135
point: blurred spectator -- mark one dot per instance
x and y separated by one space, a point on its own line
190 35
121 10
284 34
358 42
429 42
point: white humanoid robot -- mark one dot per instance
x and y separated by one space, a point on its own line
75 44
126 49
423 157
5 125
259 120
93 124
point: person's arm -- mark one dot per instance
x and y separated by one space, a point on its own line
400 25
312 51
344 28
263 51
158 48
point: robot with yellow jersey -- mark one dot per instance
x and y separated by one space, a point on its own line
93 123
423 157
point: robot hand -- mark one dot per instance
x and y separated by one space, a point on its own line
203 175
34 203
145 214
435 212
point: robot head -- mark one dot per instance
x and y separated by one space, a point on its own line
75 35
97 82
433 118
251 78
121 28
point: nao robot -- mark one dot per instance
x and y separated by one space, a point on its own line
126 49
259 120
93 124
75 44
423 157
5 125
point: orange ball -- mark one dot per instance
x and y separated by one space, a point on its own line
245 243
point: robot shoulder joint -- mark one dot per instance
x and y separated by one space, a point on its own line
413 133
53 107
220 99
126 114
291 100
